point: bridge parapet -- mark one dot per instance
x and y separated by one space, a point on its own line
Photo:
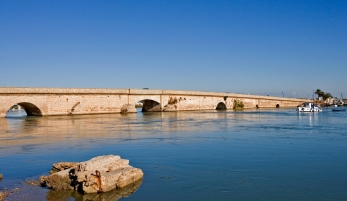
28 90
145 92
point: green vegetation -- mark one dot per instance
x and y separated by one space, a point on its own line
325 96
238 104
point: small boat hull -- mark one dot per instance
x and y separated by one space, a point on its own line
339 110
307 109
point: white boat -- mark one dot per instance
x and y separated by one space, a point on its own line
341 103
309 107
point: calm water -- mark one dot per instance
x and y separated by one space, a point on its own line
272 154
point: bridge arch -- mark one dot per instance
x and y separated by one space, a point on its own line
30 108
150 105
221 106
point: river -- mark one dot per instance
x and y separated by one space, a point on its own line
264 154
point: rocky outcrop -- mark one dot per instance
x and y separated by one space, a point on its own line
99 174
1 176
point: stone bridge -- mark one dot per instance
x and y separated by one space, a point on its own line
71 101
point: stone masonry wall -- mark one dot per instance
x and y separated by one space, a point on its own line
56 101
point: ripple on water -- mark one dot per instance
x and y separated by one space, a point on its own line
266 154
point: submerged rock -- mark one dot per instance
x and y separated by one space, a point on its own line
99 174
1 176
33 182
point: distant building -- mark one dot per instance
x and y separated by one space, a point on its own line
329 101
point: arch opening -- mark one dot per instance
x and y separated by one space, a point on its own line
16 111
30 109
139 105
277 105
221 106
150 106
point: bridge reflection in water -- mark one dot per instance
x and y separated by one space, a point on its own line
73 129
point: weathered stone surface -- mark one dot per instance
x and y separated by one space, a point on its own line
97 162
128 109
103 183
169 108
129 176
57 182
57 167
99 174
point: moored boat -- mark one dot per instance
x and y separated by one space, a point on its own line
309 107
338 110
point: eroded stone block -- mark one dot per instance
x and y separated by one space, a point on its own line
99 174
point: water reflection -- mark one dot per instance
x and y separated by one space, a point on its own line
311 117
113 195
53 129
264 154
16 114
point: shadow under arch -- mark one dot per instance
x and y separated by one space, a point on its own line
30 109
221 106
150 106
277 105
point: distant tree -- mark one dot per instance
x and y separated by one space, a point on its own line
319 92
326 96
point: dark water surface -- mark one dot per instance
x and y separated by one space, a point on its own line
267 154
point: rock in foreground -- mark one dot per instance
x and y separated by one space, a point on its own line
3 195
99 174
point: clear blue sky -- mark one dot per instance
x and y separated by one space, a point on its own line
256 47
